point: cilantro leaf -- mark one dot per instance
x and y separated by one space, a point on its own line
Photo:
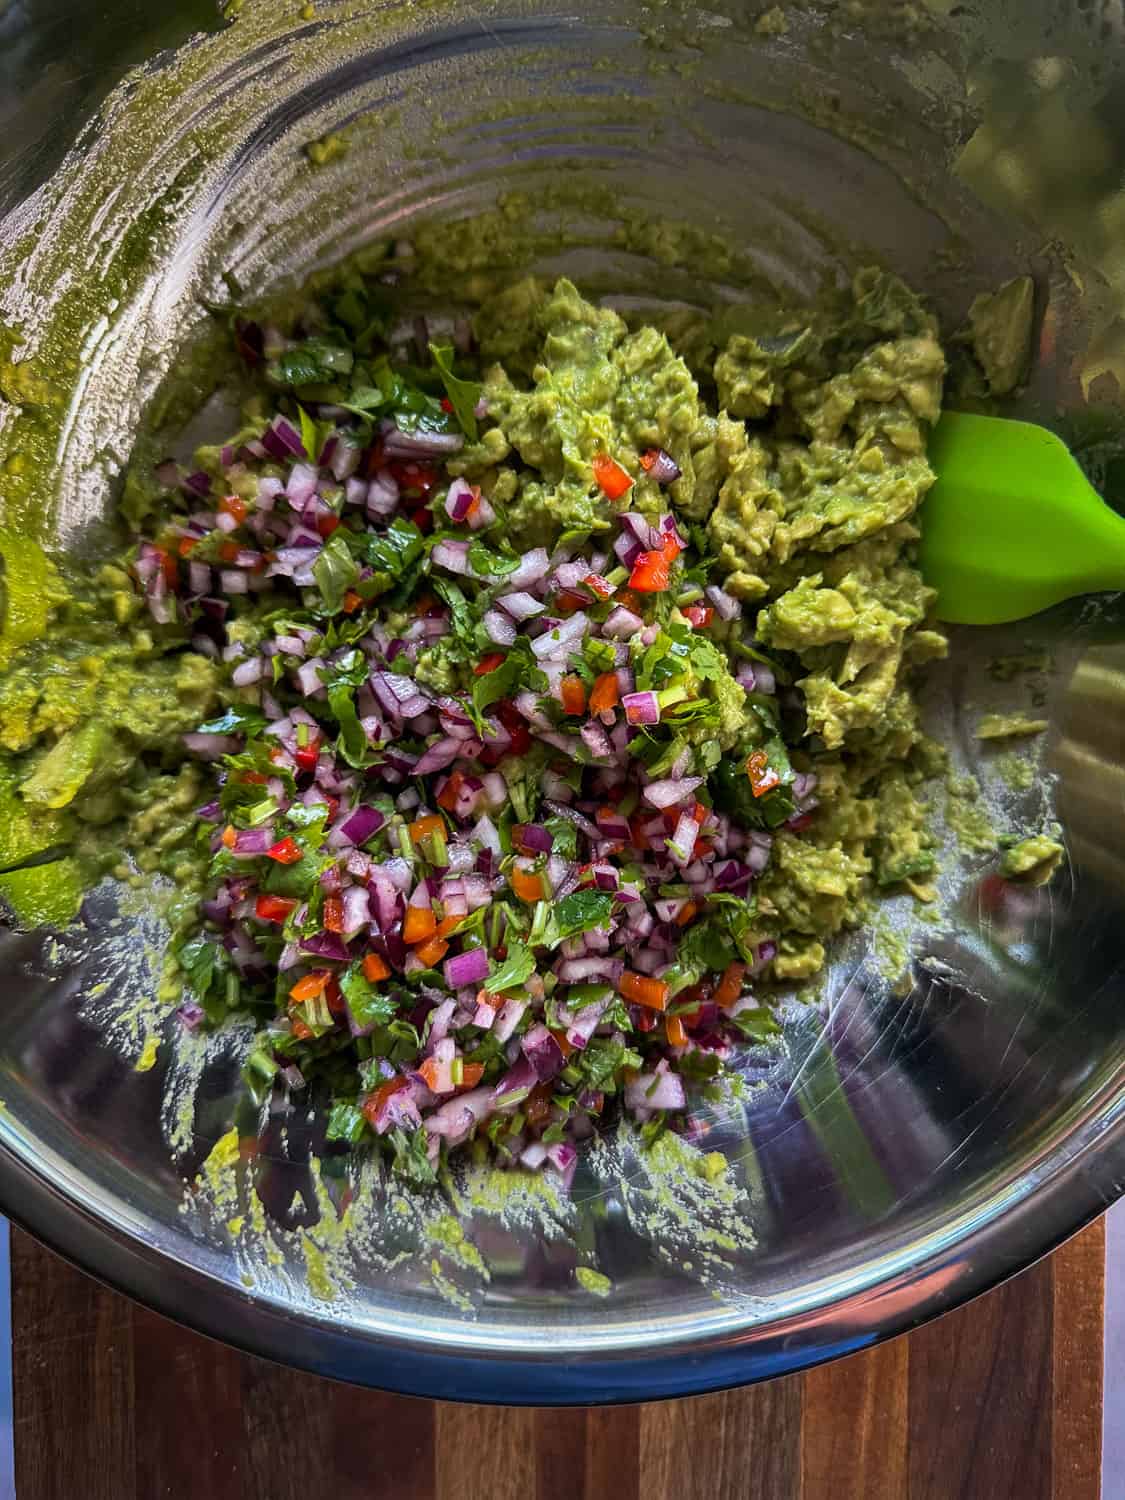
602 1061
490 687
756 1025
411 1161
335 571
346 1123
237 720
396 549
312 362
352 743
488 564
463 394
516 969
581 911
308 433
462 619
699 1066
197 960
369 1006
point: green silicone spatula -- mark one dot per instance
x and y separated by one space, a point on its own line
1012 525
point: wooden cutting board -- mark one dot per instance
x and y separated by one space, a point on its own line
998 1401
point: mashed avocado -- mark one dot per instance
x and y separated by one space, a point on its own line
1032 860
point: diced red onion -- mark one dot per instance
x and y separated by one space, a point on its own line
459 500
470 967
542 1052
398 444
508 1018
663 469
667 792
282 440
453 556
661 1089
726 606
577 970
247 672
557 641
521 606
641 708
211 746
621 624
499 627
533 568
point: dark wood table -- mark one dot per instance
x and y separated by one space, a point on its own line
998 1401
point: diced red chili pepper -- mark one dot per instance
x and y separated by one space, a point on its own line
612 479
326 525
446 404
488 663
516 725
306 757
286 851
333 915
417 481
699 615
653 570
273 908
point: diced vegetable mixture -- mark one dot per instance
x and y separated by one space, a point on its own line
548 698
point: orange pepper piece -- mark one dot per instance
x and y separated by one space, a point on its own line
419 925
639 989
375 968
674 1031
234 506
527 886
606 693
573 695
309 987
432 951
449 793
730 986
423 827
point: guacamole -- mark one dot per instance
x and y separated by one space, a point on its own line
511 708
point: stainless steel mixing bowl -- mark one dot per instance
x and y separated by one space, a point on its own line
914 1140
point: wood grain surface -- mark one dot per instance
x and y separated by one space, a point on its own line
1000 1400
